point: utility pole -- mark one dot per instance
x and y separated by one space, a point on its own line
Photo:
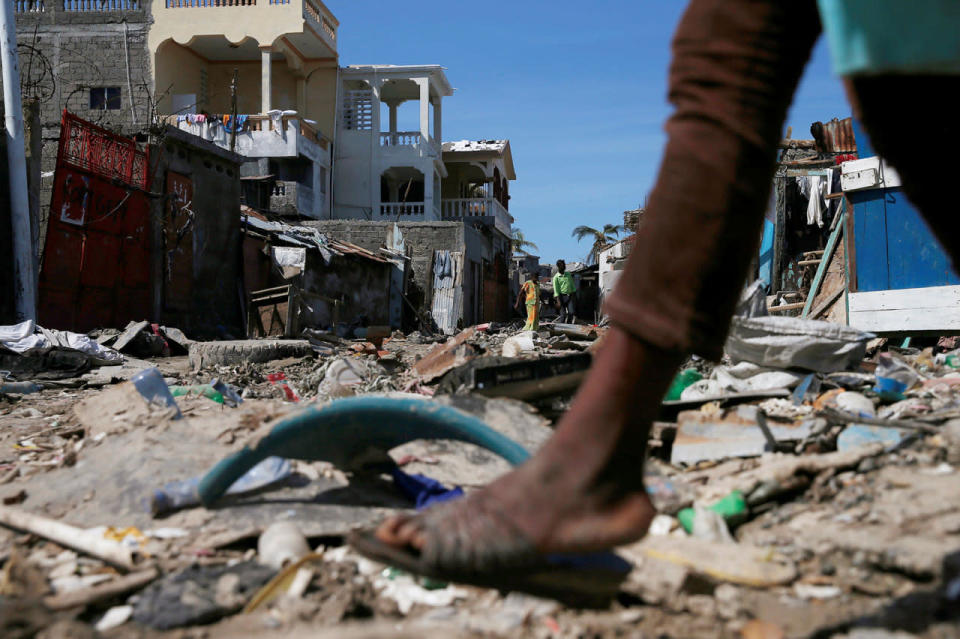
233 110
25 292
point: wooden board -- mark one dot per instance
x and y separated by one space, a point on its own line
935 308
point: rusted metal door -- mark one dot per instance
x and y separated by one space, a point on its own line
96 261
178 225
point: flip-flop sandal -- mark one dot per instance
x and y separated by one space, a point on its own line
583 580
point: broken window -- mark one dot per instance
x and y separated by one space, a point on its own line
104 98
358 110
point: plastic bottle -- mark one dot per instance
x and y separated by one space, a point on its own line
20 388
893 377
149 383
197 390
686 377
733 509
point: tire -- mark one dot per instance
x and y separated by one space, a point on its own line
231 353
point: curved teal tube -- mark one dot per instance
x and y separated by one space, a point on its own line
342 430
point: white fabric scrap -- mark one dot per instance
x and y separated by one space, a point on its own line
816 204
289 256
26 337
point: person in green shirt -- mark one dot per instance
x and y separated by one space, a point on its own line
565 293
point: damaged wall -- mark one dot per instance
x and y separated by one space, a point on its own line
196 235
363 286
421 238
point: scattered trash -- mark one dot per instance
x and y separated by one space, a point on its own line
894 377
795 463
280 380
732 509
199 595
114 618
280 544
185 494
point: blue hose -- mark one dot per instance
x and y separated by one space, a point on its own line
343 430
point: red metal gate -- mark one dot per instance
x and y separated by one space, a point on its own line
96 260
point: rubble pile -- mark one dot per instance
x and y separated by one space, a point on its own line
806 485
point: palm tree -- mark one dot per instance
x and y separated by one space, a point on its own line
519 244
601 237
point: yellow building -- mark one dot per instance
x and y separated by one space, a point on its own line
283 54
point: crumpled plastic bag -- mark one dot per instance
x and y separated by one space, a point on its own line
790 342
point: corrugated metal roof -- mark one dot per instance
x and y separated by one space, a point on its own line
835 136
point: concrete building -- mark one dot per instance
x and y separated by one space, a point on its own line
283 55
89 58
382 173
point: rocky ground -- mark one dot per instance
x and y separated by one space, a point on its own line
833 527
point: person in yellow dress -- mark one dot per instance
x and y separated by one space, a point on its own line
530 290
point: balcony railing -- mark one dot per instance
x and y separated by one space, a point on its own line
260 134
400 138
100 5
319 14
458 209
185 4
401 210
28 6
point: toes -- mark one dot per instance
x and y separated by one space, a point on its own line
390 531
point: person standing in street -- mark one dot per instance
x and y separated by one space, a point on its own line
531 291
565 292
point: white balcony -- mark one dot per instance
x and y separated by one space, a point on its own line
402 142
402 211
465 208
262 136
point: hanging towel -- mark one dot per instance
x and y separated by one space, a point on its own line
816 204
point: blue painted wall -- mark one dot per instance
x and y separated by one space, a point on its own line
894 247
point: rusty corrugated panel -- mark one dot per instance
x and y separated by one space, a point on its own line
835 136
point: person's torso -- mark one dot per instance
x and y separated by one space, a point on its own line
565 284
530 288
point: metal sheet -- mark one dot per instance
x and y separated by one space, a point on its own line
835 136
96 268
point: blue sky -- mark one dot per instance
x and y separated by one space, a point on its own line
579 90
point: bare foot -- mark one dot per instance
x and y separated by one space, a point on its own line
582 492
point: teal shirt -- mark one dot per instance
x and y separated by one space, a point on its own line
892 36
564 284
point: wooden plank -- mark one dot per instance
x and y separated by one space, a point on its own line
822 269
850 246
936 308
931 297
825 303
786 307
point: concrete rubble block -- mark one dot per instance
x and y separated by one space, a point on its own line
735 433
518 344
230 353
656 581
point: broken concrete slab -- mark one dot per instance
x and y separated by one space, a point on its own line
734 433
